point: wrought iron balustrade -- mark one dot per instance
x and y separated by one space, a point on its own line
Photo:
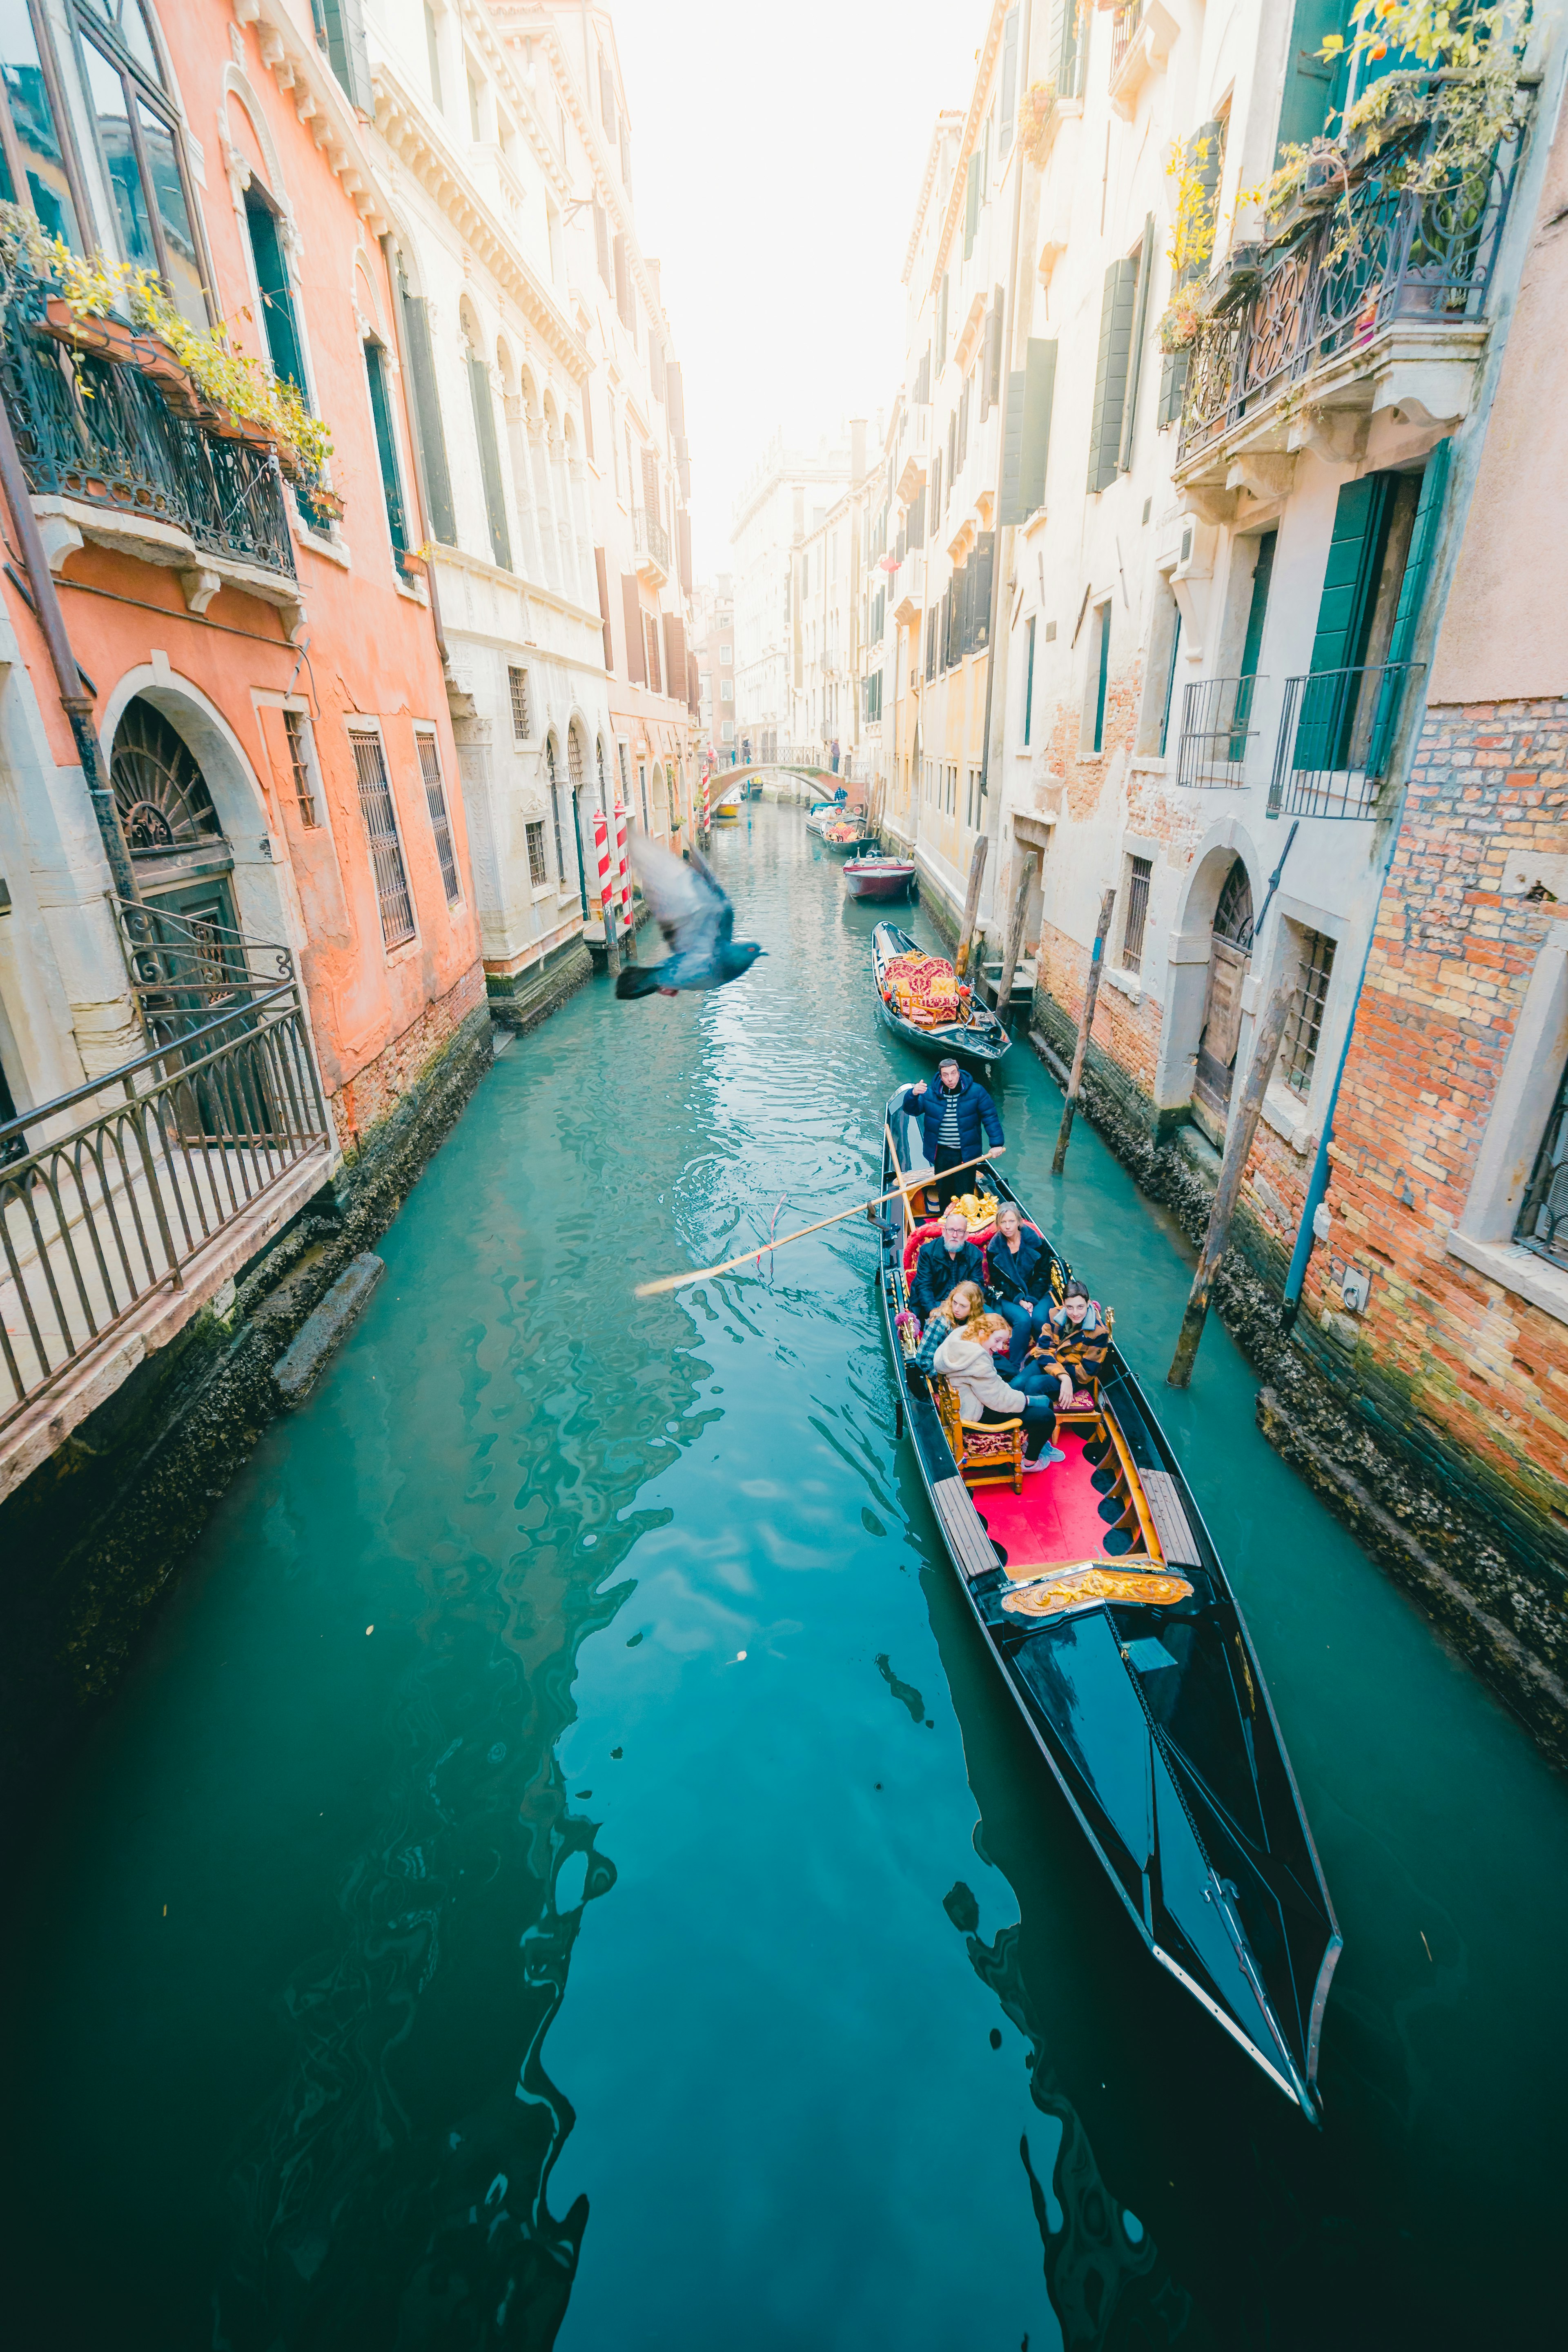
1124 24
1216 731
98 429
649 536
1336 734
187 970
118 1187
1374 253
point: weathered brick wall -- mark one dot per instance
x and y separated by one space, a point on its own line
374 1094
1128 1034
1479 1373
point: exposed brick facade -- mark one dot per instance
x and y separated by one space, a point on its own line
1481 1372
361 1104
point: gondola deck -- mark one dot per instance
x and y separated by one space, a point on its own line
1122 1646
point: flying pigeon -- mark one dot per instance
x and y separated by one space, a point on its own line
697 920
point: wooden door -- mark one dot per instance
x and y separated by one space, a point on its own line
1215 1071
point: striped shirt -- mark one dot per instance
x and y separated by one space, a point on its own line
947 1134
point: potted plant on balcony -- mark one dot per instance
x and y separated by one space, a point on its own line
1183 316
1037 115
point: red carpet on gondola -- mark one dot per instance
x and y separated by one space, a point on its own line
1057 1516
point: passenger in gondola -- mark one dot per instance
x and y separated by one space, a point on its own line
948 1315
948 1258
951 1114
968 1359
1078 1332
1017 1279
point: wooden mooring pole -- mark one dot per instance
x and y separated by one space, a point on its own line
1090 995
971 904
1233 1167
1014 938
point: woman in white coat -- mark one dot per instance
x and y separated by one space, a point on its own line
967 1358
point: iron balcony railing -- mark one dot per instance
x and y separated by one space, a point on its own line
649 536
98 429
1216 731
187 970
1361 256
121 1184
1336 735
1124 24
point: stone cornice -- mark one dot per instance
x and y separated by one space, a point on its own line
945 122
419 147
319 101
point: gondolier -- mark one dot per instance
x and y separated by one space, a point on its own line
952 1113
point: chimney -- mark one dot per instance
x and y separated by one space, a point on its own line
856 449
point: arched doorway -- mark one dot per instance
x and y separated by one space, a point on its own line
1230 954
184 868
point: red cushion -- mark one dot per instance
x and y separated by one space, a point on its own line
917 1242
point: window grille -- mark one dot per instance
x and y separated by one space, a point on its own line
1543 1220
440 823
300 763
1304 1026
518 680
536 870
1137 914
381 830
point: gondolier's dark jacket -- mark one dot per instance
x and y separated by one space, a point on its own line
976 1109
1023 1277
936 1274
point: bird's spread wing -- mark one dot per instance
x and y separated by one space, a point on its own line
687 904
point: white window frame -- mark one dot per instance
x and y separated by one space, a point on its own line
1526 1090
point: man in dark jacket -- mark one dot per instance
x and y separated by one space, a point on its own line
948 1258
952 1113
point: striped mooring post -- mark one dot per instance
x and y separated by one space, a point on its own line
624 875
705 809
606 895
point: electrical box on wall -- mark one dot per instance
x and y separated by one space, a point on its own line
1355 1289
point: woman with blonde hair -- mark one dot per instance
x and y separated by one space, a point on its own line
953 1312
967 1358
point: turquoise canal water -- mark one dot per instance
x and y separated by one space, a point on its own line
562 1870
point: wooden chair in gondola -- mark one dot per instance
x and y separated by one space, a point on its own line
988 1453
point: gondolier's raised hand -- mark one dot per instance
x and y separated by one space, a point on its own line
920 1090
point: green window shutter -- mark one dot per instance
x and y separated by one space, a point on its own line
276 295
1027 432
1310 82
489 459
442 518
345 47
1135 359
1350 577
1172 388
1111 372
1412 595
1062 47
984 563
1010 81
971 207
1257 610
386 447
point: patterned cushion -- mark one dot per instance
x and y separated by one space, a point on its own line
979 1442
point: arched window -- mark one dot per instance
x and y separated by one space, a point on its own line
489 456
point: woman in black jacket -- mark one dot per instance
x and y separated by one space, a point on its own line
1017 1282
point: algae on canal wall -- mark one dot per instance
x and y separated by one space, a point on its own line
1448 1532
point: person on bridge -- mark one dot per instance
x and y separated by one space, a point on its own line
834 755
953 1114
947 1259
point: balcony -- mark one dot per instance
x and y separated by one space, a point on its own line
1141 34
1216 731
157 1180
1367 299
108 459
651 542
1337 732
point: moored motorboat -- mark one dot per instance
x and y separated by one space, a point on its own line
878 877
974 1035
822 813
1105 1607
849 838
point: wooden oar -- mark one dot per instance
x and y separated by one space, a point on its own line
706 1273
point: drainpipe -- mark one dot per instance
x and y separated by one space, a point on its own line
421 499
77 703
1009 336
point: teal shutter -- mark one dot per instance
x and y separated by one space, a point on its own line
1257 614
1010 81
1309 91
1111 372
984 563
1027 432
1062 47
1344 617
386 448
1412 595
489 459
346 48
442 518
1135 357
276 295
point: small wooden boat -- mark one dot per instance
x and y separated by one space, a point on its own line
875 877
980 1042
1104 1604
849 839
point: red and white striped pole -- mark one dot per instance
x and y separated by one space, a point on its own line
607 894
705 810
622 870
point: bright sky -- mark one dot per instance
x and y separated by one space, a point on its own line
776 158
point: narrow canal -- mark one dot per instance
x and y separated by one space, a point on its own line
562 1869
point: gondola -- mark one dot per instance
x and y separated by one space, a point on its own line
1099 1591
980 1042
